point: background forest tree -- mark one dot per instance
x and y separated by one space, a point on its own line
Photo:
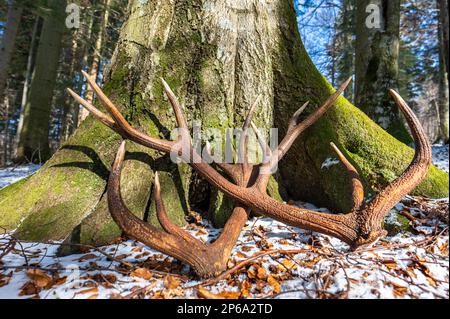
183 56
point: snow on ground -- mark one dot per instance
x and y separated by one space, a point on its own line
13 174
405 265
440 156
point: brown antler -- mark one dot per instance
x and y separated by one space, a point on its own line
361 226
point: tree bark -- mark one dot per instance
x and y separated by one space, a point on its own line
7 43
377 51
443 71
33 142
218 56
28 75
93 71
346 30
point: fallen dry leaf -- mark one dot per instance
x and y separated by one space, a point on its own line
88 291
399 291
261 272
143 273
288 263
87 257
274 284
40 278
28 289
240 255
171 282
206 294
391 264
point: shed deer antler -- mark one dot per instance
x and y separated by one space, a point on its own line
361 226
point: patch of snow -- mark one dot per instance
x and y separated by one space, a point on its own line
329 162
440 156
13 174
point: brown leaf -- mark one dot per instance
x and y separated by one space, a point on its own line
171 282
229 295
200 232
88 291
399 291
206 294
87 257
121 257
245 288
274 284
261 272
40 278
240 255
288 263
143 273
28 289
391 264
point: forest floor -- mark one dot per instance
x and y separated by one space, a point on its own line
409 264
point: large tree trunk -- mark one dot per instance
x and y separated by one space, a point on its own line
443 71
218 56
376 63
33 141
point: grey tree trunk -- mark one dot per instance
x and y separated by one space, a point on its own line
28 75
7 43
33 141
346 30
443 71
97 55
218 56
376 60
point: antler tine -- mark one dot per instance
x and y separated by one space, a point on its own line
121 126
294 119
163 219
267 152
243 143
414 173
181 120
357 186
292 135
110 107
105 119
137 228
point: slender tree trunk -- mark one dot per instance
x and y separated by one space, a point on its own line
6 49
218 56
28 75
346 30
96 60
33 142
67 102
81 61
377 51
7 43
443 71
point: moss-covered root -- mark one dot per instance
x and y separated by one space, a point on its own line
66 198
